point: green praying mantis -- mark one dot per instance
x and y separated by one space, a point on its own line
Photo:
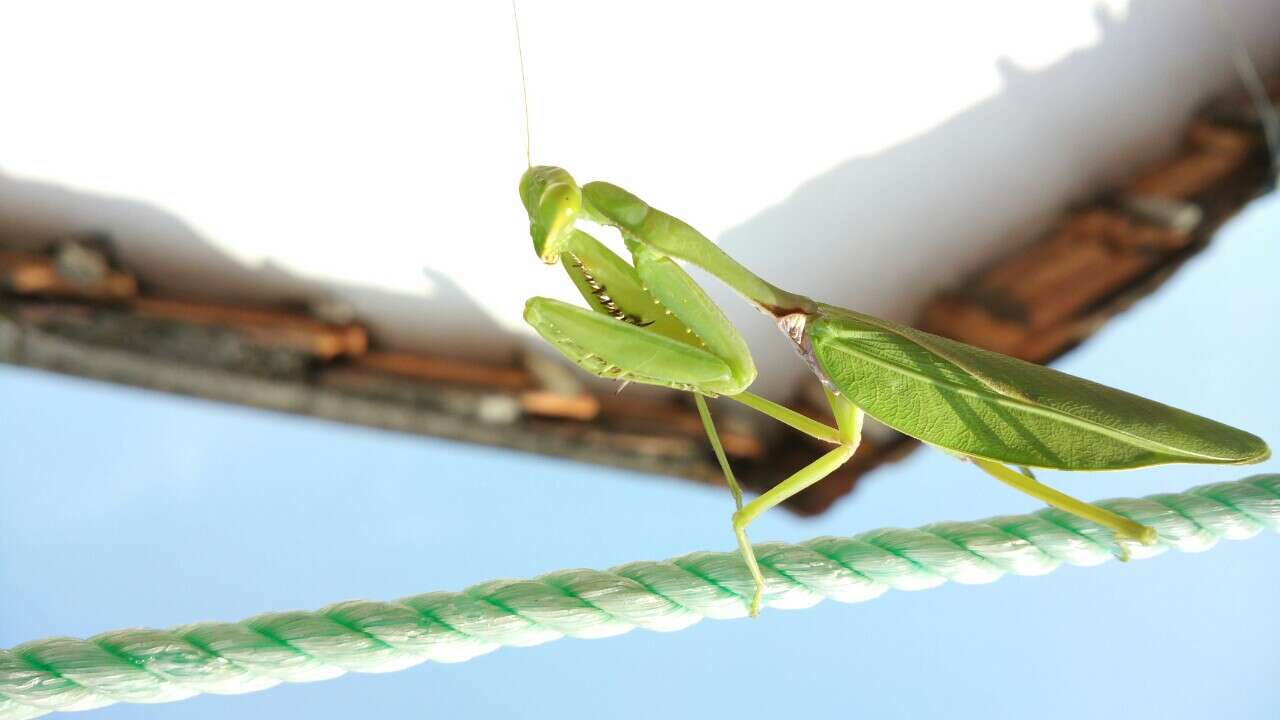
649 322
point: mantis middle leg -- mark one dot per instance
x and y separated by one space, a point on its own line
781 413
710 427
849 426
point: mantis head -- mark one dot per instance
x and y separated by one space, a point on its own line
553 201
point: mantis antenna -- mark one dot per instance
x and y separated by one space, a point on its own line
524 87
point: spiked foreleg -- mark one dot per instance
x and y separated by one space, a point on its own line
617 350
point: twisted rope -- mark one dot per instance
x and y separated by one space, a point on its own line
142 665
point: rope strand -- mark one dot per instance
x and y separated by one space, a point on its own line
143 665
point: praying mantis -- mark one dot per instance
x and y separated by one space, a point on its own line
648 321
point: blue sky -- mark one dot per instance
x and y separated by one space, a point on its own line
120 507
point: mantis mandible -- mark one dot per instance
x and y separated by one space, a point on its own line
649 322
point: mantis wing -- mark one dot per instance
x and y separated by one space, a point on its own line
941 391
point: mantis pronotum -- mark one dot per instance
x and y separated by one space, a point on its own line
649 322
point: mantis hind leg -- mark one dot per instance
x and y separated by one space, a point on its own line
1124 528
849 421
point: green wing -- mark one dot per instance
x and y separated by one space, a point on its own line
987 405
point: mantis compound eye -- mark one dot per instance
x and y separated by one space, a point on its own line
553 202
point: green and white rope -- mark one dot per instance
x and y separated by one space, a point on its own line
148 666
